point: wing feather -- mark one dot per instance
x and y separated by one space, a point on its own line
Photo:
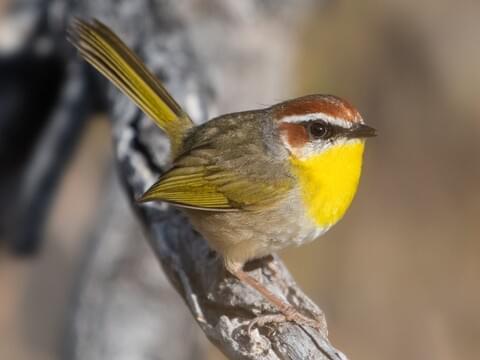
214 189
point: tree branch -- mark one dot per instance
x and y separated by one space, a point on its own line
35 138
123 307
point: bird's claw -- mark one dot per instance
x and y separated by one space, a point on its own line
289 314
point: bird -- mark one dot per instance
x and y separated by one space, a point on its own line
251 182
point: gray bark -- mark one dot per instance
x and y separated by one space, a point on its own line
124 307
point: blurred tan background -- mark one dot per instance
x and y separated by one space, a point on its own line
399 277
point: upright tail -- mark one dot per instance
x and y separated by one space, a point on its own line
110 56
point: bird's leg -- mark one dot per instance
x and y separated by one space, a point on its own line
287 311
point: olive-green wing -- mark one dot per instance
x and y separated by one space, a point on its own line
212 188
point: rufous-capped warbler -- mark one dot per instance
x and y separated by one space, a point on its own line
252 182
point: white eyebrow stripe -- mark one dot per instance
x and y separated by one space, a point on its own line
317 116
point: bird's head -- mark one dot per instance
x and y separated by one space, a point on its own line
324 136
313 124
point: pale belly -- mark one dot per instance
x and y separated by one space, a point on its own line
245 235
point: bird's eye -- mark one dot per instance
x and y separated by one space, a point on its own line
320 130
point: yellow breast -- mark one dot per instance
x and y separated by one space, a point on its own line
329 181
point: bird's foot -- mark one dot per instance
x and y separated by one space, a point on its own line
288 314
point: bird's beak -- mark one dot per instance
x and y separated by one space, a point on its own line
361 131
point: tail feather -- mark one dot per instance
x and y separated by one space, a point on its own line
111 57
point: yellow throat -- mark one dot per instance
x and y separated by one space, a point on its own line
329 181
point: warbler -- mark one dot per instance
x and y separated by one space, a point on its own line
251 182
